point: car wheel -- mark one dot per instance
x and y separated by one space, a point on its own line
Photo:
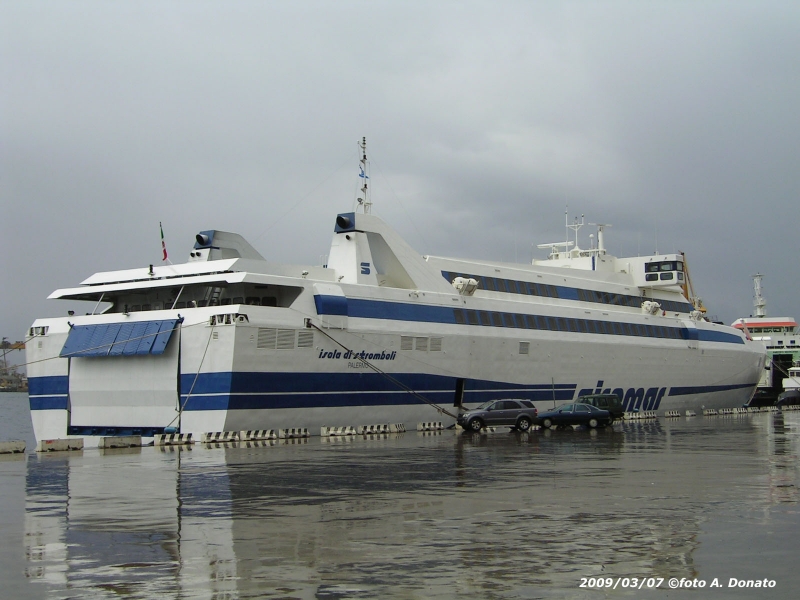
547 423
592 423
524 424
475 425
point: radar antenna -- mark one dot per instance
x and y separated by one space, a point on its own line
758 298
364 201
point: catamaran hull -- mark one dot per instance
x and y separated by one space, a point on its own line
245 376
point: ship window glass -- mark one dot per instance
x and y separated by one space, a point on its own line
582 325
253 301
551 324
136 307
667 266
651 277
604 327
533 289
497 320
562 324
472 317
202 303
485 318
680 276
459 314
447 276
145 307
679 266
617 328
225 302
667 276
572 325
508 320
531 321
507 286
521 287
651 267
552 291
520 321
238 300
627 328
269 301
490 284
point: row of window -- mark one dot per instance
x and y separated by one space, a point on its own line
664 265
249 300
529 288
662 276
502 319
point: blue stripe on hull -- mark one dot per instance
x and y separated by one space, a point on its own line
53 385
247 391
706 389
48 393
49 402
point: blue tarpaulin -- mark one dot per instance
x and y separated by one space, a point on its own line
119 339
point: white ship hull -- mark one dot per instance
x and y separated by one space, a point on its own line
215 378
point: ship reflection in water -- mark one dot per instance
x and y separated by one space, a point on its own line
412 515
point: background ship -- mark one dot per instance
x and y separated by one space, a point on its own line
782 340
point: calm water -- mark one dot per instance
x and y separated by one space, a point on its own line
503 515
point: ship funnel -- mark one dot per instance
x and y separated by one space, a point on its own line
343 222
202 239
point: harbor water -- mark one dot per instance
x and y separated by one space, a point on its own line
672 508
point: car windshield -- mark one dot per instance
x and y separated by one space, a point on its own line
486 404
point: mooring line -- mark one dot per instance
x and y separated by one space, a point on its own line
398 383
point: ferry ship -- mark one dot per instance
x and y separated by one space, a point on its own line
782 341
228 341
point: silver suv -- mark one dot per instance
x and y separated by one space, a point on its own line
517 413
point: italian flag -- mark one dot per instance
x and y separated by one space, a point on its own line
163 243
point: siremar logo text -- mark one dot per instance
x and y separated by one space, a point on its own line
633 399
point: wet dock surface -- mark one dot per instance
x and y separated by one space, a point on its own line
413 515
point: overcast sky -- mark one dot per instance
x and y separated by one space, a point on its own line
676 122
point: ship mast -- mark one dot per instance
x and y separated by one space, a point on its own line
758 299
364 201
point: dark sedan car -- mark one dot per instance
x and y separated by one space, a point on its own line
576 414
520 414
609 402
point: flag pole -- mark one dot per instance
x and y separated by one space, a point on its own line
165 257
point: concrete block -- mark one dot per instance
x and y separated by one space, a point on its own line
123 441
63 445
12 447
